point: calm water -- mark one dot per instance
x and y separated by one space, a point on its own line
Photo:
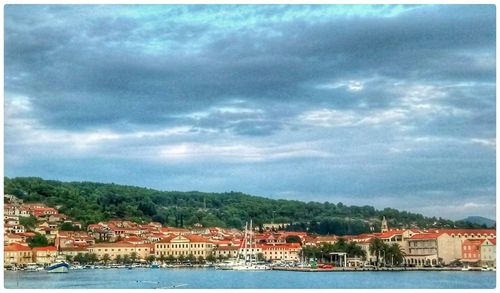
213 279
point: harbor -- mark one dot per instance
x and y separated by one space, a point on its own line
277 278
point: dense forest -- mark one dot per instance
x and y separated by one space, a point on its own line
90 202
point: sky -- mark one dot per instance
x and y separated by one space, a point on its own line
389 106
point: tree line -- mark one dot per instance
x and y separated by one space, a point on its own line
90 202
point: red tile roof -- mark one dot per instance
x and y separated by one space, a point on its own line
45 248
16 247
426 236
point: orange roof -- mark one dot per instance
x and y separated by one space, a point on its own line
196 238
278 246
16 247
425 236
173 229
45 248
74 248
227 248
463 231
389 234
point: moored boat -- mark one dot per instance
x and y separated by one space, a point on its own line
59 266
31 267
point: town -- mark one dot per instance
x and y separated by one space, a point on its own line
50 235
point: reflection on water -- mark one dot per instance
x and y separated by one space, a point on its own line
213 279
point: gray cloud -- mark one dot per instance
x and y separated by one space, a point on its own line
373 105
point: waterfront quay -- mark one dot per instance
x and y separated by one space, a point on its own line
373 269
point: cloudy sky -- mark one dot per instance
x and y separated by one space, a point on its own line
390 106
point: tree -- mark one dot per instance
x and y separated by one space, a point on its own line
68 227
293 239
38 240
92 258
151 258
181 258
260 256
191 258
395 254
211 258
376 247
133 256
170 258
354 250
126 258
69 258
79 258
201 259
28 222
119 259
105 258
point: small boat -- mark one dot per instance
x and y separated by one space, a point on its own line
467 268
155 265
59 266
31 267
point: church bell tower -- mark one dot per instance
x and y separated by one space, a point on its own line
384 227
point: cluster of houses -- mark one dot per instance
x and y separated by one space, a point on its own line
120 238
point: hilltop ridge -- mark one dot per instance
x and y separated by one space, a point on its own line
91 202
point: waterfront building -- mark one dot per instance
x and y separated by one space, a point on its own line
185 245
281 252
226 251
488 252
442 246
17 254
121 249
72 251
471 250
44 255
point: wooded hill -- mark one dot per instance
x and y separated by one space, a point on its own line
91 202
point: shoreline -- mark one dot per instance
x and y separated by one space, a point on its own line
342 269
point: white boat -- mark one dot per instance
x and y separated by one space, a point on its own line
467 268
31 267
59 266
248 262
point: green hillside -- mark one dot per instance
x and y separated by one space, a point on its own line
91 202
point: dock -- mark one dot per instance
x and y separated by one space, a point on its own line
382 269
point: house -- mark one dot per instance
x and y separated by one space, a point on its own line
471 250
13 238
13 228
43 212
17 254
11 220
44 255
488 252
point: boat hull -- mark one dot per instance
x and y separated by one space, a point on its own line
58 268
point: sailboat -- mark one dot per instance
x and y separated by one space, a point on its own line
248 263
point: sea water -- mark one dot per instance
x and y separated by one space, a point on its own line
209 278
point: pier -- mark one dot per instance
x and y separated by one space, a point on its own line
382 269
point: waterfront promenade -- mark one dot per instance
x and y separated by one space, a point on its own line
373 269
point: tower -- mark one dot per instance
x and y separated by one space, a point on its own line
384 227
